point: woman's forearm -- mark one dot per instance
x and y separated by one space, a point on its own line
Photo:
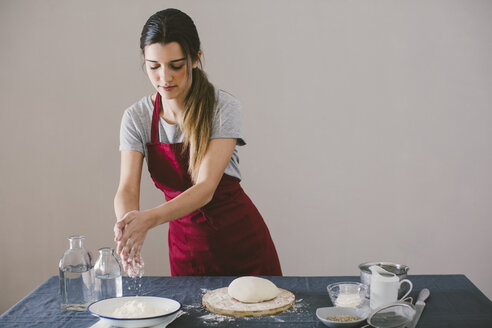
190 200
124 202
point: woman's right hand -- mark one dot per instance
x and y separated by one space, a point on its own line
132 266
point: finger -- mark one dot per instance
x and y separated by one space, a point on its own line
138 258
129 247
120 233
125 266
121 225
117 233
123 240
119 249
123 221
125 253
131 268
131 254
122 250
135 252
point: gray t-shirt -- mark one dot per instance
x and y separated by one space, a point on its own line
137 120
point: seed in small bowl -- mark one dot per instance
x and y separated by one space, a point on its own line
342 318
338 317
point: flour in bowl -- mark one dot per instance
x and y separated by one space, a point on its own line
137 309
348 300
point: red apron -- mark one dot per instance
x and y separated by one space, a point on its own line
226 237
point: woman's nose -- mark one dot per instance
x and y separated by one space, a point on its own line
166 75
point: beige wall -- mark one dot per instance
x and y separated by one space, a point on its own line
368 125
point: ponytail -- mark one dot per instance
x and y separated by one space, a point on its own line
197 120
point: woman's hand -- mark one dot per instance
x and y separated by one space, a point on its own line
130 232
134 268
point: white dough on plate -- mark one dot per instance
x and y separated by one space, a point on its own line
252 289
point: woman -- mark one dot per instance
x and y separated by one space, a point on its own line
188 131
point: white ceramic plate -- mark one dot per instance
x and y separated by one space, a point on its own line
104 309
323 313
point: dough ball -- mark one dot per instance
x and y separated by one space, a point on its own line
252 289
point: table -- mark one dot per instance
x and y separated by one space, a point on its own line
454 302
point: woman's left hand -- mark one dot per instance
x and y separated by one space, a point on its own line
130 233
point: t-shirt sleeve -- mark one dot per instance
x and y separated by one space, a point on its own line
227 120
130 136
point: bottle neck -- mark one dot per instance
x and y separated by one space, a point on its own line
76 242
106 253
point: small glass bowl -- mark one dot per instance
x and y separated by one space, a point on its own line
347 294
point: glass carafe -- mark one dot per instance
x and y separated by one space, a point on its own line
76 276
107 271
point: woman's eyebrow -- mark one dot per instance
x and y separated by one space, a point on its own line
172 61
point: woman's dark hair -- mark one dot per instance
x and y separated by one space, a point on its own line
172 25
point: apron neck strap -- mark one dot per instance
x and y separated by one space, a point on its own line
154 134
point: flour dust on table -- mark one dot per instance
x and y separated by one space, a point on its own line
212 319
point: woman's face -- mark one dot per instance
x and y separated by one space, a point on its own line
166 68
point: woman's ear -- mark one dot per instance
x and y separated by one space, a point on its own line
195 64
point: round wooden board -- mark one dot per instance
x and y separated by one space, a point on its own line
218 301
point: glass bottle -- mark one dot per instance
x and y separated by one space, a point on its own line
76 276
107 270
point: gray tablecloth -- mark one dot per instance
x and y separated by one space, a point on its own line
454 302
